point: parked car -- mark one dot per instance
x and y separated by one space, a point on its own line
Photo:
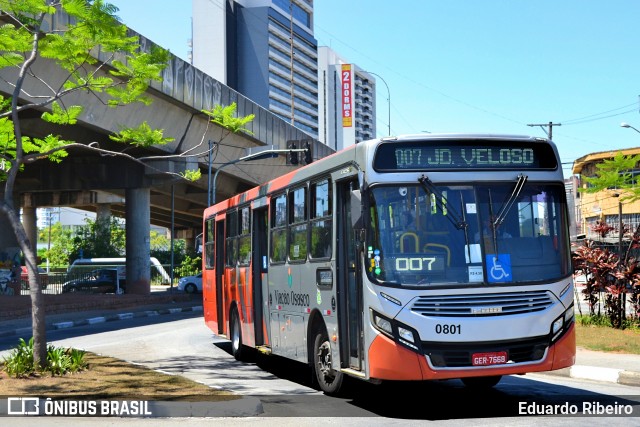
102 280
24 278
191 284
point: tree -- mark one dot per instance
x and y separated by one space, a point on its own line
99 238
60 245
616 274
28 35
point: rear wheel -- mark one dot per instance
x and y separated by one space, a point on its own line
328 376
481 382
235 333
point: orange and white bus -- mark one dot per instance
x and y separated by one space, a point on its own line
420 257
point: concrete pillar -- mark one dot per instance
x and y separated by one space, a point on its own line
138 219
30 224
190 244
103 218
103 211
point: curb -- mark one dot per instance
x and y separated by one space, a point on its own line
595 373
101 319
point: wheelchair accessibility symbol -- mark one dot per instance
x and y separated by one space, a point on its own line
499 268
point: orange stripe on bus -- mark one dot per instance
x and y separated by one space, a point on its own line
390 361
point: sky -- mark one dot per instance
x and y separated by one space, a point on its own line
490 66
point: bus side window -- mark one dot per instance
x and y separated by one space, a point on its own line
298 224
231 238
209 242
321 224
278 222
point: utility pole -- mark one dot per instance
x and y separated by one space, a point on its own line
550 125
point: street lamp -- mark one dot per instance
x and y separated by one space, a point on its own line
262 153
388 97
627 125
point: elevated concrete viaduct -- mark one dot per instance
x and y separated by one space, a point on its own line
146 194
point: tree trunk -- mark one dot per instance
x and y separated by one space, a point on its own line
37 301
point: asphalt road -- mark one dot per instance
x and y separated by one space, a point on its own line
181 344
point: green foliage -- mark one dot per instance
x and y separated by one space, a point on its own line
122 71
61 116
100 238
192 175
612 280
158 242
58 362
615 173
142 136
20 362
605 321
225 117
76 357
61 244
190 266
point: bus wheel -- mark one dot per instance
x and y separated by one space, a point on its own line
329 379
236 335
481 382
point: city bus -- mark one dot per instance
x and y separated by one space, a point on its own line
413 258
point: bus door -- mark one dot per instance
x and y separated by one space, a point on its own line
259 263
219 266
349 281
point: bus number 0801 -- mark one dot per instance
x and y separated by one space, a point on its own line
448 329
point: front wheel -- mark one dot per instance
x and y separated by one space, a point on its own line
237 348
328 376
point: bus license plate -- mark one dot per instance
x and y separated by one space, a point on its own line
491 358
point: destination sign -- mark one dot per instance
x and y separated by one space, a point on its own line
418 155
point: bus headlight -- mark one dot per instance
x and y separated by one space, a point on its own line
399 332
383 324
562 323
405 334
557 325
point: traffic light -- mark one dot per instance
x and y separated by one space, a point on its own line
308 154
292 156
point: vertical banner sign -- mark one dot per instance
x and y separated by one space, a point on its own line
347 98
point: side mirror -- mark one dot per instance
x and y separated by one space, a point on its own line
356 209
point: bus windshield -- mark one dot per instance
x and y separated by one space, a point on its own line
484 234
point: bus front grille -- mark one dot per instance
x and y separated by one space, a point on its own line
460 355
475 305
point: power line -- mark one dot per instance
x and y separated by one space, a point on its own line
550 125
594 117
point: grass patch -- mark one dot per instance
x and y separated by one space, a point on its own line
595 335
108 378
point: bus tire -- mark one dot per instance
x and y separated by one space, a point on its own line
329 379
481 382
235 333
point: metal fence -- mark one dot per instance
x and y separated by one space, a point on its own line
54 283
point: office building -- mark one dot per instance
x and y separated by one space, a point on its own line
263 49
347 98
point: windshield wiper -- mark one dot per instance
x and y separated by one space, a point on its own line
455 218
506 206
498 219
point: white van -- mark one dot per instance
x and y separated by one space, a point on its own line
159 275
